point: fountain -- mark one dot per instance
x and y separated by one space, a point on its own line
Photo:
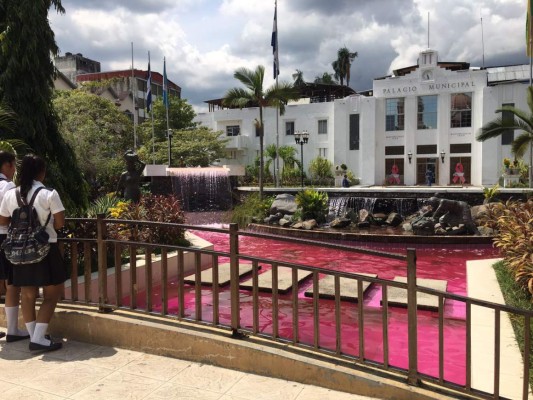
202 189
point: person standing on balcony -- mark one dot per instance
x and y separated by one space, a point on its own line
50 273
8 167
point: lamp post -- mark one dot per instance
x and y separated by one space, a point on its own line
301 138
169 135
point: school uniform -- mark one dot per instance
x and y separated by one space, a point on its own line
5 266
51 270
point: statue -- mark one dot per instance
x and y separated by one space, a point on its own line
129 183
450 213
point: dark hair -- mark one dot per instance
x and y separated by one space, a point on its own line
6 157
30 169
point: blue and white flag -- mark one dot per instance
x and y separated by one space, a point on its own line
165 84
274 41
149 87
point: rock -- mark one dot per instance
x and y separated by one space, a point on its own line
273 219
309 224
339 223
378 219
364 215
350 213
363 224
284 222
284 203
424 226
297 225
407 227
394 219
485 231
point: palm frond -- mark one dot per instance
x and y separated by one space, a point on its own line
521 144
253 80
498 127
237 97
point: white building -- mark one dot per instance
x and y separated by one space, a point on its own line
422 118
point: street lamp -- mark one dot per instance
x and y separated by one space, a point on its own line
442 155
169 135
301 138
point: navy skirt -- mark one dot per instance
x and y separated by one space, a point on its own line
5 266
50 271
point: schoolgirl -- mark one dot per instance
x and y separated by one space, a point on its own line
50 273
7 171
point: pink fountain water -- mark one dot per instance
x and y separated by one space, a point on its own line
446 262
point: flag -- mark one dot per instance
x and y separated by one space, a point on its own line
274 41
529 29
149 88
165 84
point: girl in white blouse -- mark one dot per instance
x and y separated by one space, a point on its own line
50 273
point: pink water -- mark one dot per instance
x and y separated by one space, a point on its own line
447 262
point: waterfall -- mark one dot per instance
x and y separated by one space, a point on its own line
202 189
403 206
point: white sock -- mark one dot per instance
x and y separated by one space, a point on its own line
30 326
12 317
38 334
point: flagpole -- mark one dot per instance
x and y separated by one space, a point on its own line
133 96
149 90
275 50
166 101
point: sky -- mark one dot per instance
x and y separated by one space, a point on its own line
205 41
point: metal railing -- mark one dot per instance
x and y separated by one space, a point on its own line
92 282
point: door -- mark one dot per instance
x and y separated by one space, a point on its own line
460 170
427 170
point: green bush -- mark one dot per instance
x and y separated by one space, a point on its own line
314 204
321 171
251 207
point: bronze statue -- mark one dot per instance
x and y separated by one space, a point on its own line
451 213
129 183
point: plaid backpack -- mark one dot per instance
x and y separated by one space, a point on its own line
27 239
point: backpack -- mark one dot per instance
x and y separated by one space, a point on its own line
27 239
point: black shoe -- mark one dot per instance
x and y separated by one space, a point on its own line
16 338
2 334
41 347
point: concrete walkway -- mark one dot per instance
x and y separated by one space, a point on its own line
86 371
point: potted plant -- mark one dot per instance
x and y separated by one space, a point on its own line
507 165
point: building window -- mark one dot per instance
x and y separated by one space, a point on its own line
426 149
323 152
289 128
394 150
231 154
508 135
461 110
427 112
323 127
460 148
354 131
233 130
394 119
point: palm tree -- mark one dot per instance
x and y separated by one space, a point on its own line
298 77
272 154
254 95
521 120
288 155
342 65
326 78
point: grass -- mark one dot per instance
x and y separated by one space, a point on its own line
518 298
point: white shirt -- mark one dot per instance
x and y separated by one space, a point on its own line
47 201
4 187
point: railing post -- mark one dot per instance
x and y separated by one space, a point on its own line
412 376
102 262
234 279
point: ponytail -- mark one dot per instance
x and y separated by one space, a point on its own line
31 167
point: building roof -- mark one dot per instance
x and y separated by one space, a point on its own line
452 66
509 73
138 73
317 92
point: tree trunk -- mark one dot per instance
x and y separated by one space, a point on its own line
261 153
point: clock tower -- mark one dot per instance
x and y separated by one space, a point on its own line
427 62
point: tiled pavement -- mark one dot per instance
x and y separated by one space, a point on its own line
86 371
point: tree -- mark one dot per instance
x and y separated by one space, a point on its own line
198 147
180 116
523 121
254 95
272 155
298 77
321 170
26 85
342 65
326 78
98 132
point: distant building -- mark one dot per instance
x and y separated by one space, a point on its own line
422 118
122 84
71 65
